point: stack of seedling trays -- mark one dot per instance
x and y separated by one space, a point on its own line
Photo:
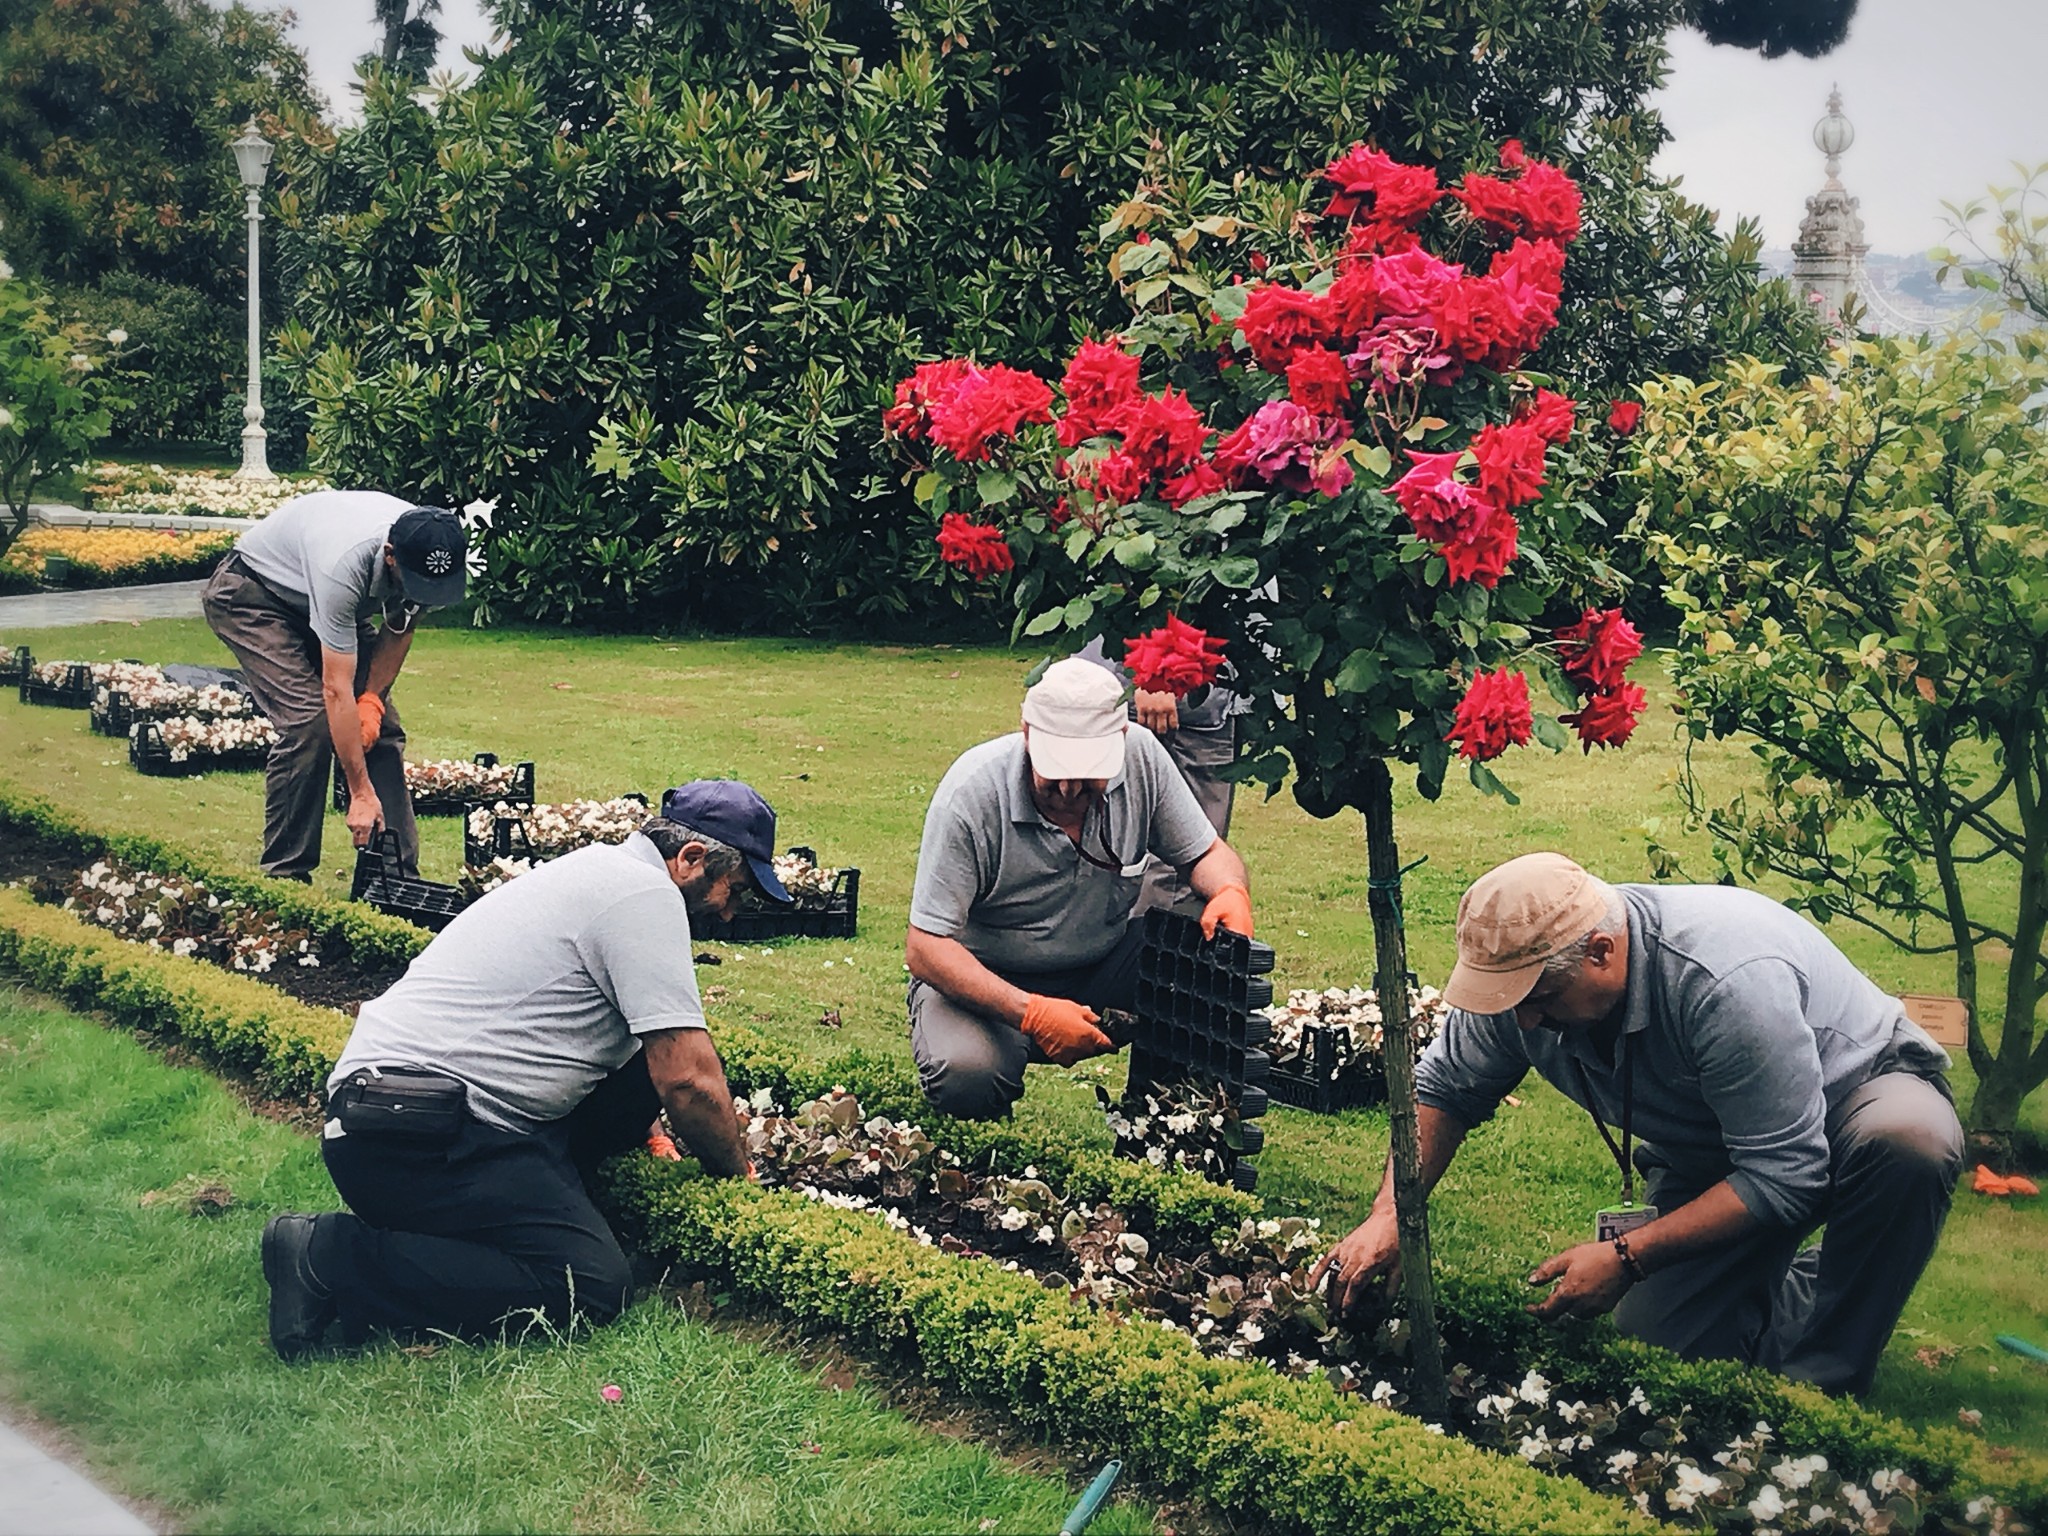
379 882
72 691
839 918
520 792
15 665
1197 1020
150 754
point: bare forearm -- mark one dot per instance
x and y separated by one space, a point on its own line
1217 869
386 657
1711 1221
702 1116
345 725
1441 1136
951 967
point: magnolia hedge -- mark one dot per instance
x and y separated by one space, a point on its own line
649 279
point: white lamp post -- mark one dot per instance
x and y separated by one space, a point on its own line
252 159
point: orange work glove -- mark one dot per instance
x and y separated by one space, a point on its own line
371 707
1232 908
659 1145
1065 1030
1988 1183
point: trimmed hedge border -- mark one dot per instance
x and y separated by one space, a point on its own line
371 938
1284 1455
248 1025
236 1022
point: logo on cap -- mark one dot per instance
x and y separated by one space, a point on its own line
439 562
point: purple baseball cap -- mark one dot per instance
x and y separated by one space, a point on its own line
736 815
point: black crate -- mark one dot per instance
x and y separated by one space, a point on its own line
378 883
838 919
507 837
16 667
1321 1079
74 692
114 715
148 754
521 792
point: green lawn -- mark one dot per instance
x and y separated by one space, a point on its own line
848 742
140 1331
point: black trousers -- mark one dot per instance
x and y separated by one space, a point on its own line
493 1227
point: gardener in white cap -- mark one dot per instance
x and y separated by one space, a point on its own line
1034 850
1774 1086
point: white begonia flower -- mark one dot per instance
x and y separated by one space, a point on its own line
6 417
1884 1482
118 336
1532 1446
1637 1401
1767 1505
1818 1514
80 360
1620 1462
1534 1389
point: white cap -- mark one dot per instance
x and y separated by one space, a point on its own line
1076 715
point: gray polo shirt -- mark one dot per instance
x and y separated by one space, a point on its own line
536 993
996 875
324 555
1747 1027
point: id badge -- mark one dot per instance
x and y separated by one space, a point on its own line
1618 1221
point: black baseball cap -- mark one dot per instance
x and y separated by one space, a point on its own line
433 554
737 816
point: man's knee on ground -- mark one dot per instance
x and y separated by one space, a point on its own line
1913 1140
969 1092
598 1287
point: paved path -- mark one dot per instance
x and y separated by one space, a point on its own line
112 605
40 1496
57 514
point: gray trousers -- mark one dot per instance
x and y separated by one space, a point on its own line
1823 1315
972 1067
280 657
1198 751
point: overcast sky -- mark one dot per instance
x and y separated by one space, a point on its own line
1944 94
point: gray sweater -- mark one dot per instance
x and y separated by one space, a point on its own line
1747 1028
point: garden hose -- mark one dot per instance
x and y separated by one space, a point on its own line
1091 1501
2021 1347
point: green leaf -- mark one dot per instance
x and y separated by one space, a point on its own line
1136 552
995 486
1077 542
1549 730
1148 290
928 484
1360 671
1078 612
1484 781
1223 519
1046 622
1238 571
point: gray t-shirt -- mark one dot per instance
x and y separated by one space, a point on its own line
996 875
535 994
1746 1026
324 554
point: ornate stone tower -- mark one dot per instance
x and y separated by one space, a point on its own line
1827 258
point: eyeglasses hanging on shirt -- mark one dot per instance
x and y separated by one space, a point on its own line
1109 861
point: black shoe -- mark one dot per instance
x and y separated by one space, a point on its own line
301 878
300 1306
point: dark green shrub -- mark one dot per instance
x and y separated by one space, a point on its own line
183 348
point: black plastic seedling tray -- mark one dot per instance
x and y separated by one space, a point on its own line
115 715
838 919
148 754
378 883
1320 1080
74 692
507 837
521 792
1196 1020
17 667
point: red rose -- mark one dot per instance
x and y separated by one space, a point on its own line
1100 378
1258 263
1596 652
910 416
1540 201
1479 322
1550 414
1442 507
977 549
1493 716
1510 462
1411 284
1176 658
1161 433
1381 187
1202 480
1318 381
1485 556
1624 415
988 403
1060 511
1278 322
1608 716
1118 478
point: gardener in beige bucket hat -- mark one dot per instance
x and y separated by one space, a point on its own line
1774 1086
1035 848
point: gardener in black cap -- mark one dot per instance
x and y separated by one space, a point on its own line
541 1031
295 602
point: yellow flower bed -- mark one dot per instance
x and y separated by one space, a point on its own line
108 552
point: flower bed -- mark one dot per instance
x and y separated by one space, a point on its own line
107 557
187 744
178 914
153 490
450 786
1327 1047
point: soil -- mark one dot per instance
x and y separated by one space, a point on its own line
336 982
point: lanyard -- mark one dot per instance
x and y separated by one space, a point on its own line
1622 1148
1112 863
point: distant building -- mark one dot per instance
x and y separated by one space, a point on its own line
1828 255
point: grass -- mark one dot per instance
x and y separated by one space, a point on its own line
140 1331
848 743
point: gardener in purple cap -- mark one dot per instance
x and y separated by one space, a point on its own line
541 1031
